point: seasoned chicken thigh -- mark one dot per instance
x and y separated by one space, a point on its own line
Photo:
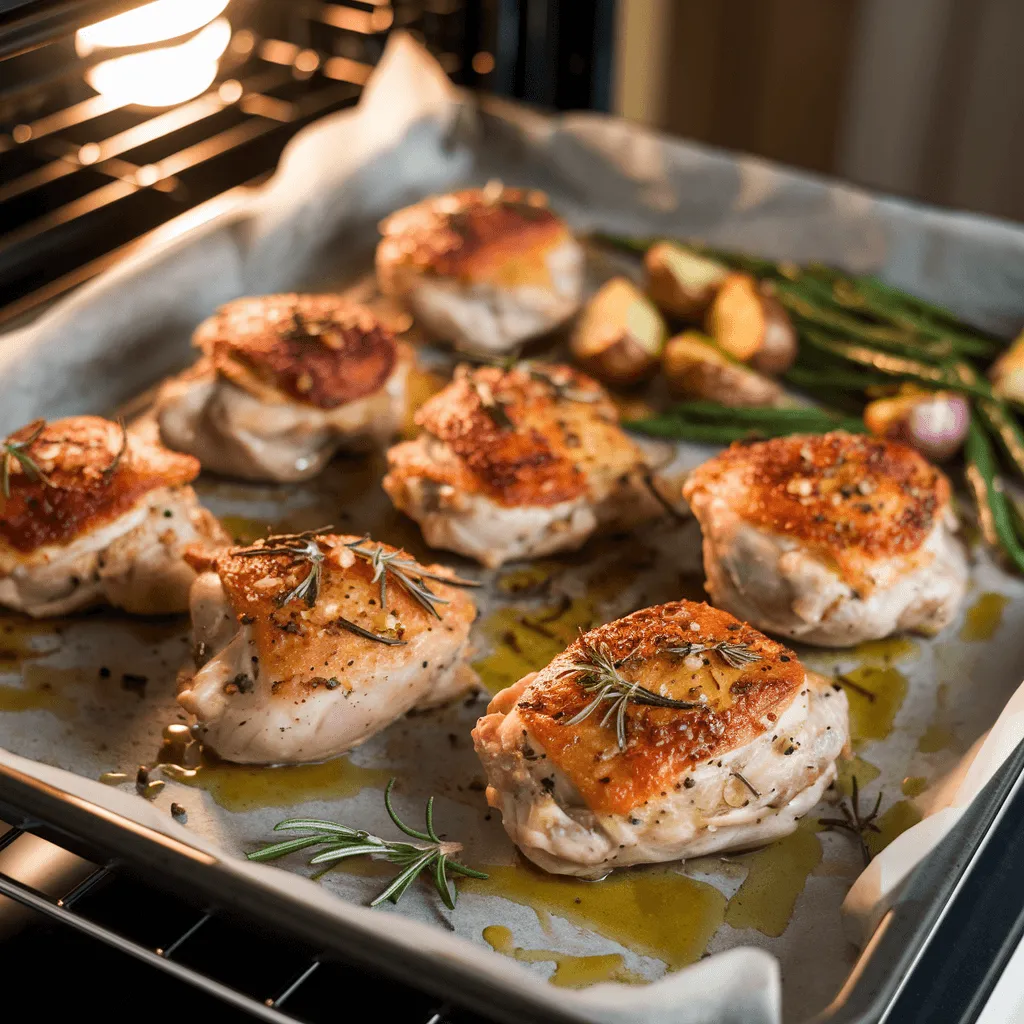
519 463
485 269
92 514
675 732
283 383
829 539
306 645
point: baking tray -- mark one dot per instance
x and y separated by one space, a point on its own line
96 693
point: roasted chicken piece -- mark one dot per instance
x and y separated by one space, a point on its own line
829 539
519 463
92 514
284 382
485 269
306 645
674 732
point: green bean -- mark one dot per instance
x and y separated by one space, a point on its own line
833 378
994 510
920 307
929 376
638 245
682 429
715 412
898 342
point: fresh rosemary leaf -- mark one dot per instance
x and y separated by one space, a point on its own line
301 547
492 406
18 451
108 473
353 627
405 572
600 677
340 842
734 655
853 822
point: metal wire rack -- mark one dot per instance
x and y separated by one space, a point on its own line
104 912
81 174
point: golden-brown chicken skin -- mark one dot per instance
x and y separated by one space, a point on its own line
283 382
485 269
829 539
748 747
520 462
92 513
286 674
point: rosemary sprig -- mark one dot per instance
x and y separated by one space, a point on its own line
306 547
18 451
852 821
600 677
108 473
303 547
734 655
340 842
405 572
563 389
492 406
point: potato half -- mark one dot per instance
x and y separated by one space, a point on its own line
682 282
620 336
751 325
695 368
1007 372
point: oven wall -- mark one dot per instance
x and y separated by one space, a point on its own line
918 97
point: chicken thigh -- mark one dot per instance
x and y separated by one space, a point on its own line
674 732
306 645
519 463
92 514
485 269
283 383
829 539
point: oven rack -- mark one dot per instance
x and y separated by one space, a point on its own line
110 906
81 174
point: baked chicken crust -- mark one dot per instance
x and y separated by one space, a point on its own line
493 235
277 679
735 705
852 499
321 350
525 436
90 472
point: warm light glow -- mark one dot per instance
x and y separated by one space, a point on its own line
162 19
164 77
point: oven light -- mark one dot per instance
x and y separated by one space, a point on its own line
166 76
162 19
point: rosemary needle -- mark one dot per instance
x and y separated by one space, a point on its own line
853 823
339 842
734 655
18 451
411 576
303 547
600 677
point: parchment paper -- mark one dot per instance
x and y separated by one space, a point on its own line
313 226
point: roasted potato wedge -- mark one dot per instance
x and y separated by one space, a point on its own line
1007 372
682 282
696 368
620 336
750 325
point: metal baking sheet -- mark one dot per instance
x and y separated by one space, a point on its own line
94 694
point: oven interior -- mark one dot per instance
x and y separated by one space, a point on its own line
84 176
